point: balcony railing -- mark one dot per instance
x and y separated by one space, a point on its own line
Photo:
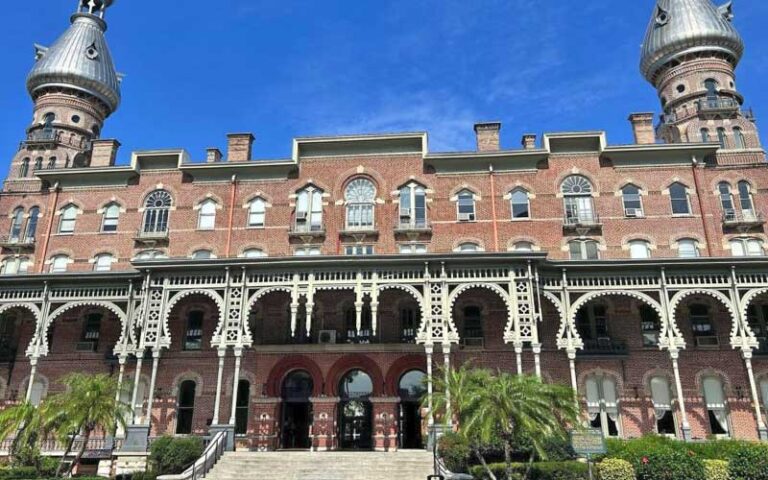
583 218
152 234
406 225
743 217
21 241
304 229
719 105
42 136
604 347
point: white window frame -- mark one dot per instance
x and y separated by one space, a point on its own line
601 405
206 217
412 249
59 263
103 262
689 210
15 266
662 397
359 250
360 212
68 220
469 247
309 210
639 212
584 254
512 204
517 246
720 409
202 254
307 252
257 213
462 196
634 249
409 214
111 218
692 243
253 253
747 247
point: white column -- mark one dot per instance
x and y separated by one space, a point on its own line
235 381
537 358
308 317
374 318
674 353
572 364
447 375
120 375
152 382
358 317
431 418
763 433
137 379
519 357
217 402
32 373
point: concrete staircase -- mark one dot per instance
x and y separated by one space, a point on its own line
403 465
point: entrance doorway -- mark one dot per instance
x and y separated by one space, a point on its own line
296 411
356 411
411 390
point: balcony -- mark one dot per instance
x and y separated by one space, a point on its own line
604 347
152 235
307 230
743 218
16 241
407 226
583 219
719 105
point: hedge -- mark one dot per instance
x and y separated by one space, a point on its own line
749 464
171 455
455 452
716 469
539 471
615 469
665 465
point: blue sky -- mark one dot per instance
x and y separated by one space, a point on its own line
196 70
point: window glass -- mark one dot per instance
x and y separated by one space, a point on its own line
186 407
242 406
721 137
578 202
207 218
714 396
103 263
68 217
726 200
413 248
257 213
687 248
745 200
111 218
253 253
413 206
59 264
523 247
520 204
202 255
157 209
194 334
651 326
738 138
662 404
466 206
468 247
679 197
358 250
34 217
307 251
602 404
633 205
583 250
360 195
639 249
705 137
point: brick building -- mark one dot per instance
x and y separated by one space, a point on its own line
300 302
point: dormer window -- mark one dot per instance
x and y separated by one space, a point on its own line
413 206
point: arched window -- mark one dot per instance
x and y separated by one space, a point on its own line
38 163
48 119
103 262
257 210
472 335
603 404
650 325
307 251
193 336
687 248
68 218
206 219
747 247
745 200
705 137
465 206
309 210
726 200
360 196
577 193
24 168
253 253
678 196
639 249
661 393
520 203
592 324
34 217
413 248
151 255
96 131
202 255
717 410
702 326
186 407
738 138
17 221
468 247
633 203
583 250
523 247
157 208
721 137
711 85
111 218
413 206
15 265
59 263
91 332
242 406
51 163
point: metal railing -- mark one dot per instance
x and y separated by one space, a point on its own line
737 217
305 228
604 346
581 218
17 240
717 104
211 455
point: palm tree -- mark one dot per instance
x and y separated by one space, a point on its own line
90 404
458 387
28 425
514 408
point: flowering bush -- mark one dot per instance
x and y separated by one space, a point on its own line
675 465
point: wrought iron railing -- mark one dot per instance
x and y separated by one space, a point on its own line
717 104
738 217
16 240
604 346
581 218
213 452
407 224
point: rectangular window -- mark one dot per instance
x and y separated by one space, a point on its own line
67 225
194 336
680 205
413 249
358 250
111 219
466 207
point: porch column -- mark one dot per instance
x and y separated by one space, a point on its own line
385 431
429 348
537 359
519 357
120 375
447 374
236 381
32 373
674 353
572 364
217 402
152 383
137 379
761 429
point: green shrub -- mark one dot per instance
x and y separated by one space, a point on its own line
18 473
674 465
455 452
143 476
171 456
722 449
749 463
539 471
716 469
635 449
615 469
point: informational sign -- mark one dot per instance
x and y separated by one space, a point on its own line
588 442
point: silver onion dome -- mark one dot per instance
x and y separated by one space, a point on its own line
682 27
80 60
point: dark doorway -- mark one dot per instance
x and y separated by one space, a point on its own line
411 390
297 411
356 411
186 407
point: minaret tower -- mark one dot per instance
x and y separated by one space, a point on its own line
75 88
690 55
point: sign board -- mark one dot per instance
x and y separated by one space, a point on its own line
588 442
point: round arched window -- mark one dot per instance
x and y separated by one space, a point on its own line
360 195
355 385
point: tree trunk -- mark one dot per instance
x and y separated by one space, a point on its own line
76 461
508 458
530 465
66 453
484 464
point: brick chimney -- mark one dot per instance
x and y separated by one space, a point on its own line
213 155
488 136
239 147
104 152
529 141
642 127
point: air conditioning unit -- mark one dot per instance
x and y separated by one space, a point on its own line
708 341
327 337
301 216
466 217
85 347
633 213
405 213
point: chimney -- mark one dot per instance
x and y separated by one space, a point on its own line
104 152
642 127
239 147
213 155
488 136
529 141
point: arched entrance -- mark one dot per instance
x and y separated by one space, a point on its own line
355 411
296 410
411 390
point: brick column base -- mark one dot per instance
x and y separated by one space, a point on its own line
266 415
385 423
324 423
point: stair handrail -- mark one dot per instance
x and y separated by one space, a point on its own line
205 463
